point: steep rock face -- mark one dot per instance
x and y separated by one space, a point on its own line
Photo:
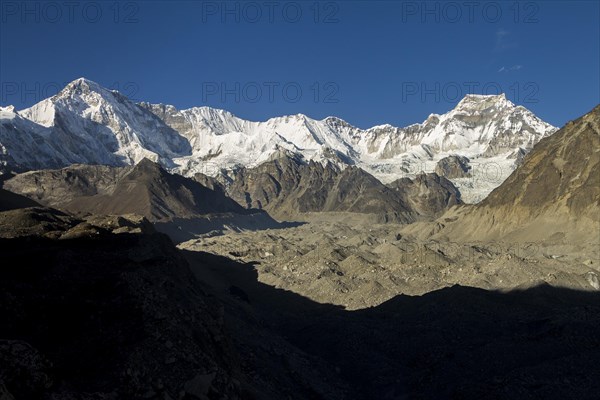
289 186
430 195
145 189
453 167
86 123
562 172
275 181
60 186
25 144
518 155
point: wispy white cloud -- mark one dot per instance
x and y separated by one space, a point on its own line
508 69
503 40
500 33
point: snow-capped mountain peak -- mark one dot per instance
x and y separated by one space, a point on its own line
8 112
91 124
86 123
83 85
479 102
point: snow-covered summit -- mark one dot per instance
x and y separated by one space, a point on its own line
91 124
8 112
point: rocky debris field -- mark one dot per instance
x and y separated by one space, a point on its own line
358 265
332 291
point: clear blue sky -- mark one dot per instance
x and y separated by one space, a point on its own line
367 62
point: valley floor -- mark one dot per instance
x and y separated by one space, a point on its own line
348 261
395 322
107 309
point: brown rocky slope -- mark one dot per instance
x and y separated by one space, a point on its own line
555 193
145 189
288 187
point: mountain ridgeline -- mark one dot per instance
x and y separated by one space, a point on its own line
288 186
88 124
145 189
285 187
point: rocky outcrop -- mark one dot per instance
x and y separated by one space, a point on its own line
60 186
145 189
53 224
289 186
452 167
519 156
428 194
